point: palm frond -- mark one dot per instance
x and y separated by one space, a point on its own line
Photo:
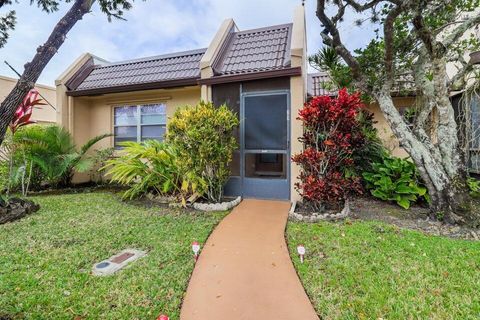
83 165
93 141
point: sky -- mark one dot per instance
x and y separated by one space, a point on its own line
153 27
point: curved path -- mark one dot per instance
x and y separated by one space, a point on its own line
245 271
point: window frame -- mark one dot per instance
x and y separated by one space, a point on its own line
138 125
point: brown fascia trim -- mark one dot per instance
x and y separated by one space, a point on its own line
297 71
80 75
135 87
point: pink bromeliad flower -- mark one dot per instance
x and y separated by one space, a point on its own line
24 111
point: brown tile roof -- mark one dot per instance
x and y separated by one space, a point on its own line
250 54
317 82
169 67
256 50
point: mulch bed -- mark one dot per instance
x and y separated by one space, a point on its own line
78 188
416 218
16 209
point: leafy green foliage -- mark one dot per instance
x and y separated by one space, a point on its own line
203 136
328 60
372 150
474 187
7 23
150 166
439 18
3 174
111 8
395 179
53 153
99 159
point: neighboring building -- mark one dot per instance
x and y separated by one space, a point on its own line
42 114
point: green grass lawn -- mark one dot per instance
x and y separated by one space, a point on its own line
369 270
46 259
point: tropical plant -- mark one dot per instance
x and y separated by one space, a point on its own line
203 136
396 179
99 160
4 175
18 174
52 152
332 135
413 43
474 187
147 167
373 149
328 59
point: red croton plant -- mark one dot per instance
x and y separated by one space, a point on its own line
332 133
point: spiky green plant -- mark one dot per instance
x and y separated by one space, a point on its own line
149 166
53 151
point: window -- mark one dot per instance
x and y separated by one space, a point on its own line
139 123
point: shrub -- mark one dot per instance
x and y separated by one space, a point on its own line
3 175
473 187
372 150
53 154
203 136
99 159
332 133
147 167
396 179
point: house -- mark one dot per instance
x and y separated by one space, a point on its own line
42 114
261 74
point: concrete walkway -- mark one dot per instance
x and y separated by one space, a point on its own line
244 270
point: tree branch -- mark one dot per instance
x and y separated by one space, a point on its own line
459 76
423 33
460 30
5 2
362 7
388 38
34 68
335 42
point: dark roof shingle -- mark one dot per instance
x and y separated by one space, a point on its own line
255 50
175 66
317 84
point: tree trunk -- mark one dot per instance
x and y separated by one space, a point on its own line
34 69
442 172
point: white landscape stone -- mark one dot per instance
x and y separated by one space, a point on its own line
222 206
316 217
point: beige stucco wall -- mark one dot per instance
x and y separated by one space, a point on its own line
41 114
388 138
92 116
453 67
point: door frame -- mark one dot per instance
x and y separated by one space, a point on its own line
243 152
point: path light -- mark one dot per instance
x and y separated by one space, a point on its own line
301 251
195 249
163 317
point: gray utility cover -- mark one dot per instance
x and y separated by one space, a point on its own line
117 262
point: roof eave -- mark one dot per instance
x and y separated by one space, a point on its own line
136 87
286 72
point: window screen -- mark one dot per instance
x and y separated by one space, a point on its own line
266 122
139 123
